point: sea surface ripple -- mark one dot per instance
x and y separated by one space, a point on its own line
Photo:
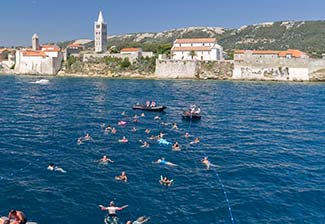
267 140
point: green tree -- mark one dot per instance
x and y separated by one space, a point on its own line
192 54
125 63
71 60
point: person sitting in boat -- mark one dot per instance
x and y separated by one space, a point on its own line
176 147
198 110
18 217
153 104
122 177
165 181
105 160
112 212
147 103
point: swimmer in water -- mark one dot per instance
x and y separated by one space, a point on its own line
135 116
113 131
206 162
105 160
174 126
196 141
122 177
165 181
161 134
123 140
140 220
123 113
176 147
79 141
144 144
112 209
52 167
134 129
87 137
187 135
147 131
142 115
162 161
156 118
152 137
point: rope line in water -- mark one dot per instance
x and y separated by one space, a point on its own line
226 196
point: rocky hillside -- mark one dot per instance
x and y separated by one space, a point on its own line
308 36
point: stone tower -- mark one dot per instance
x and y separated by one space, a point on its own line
100 32
35 42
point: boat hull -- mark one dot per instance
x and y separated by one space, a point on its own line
142 107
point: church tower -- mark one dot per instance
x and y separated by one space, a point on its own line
35 42
100 34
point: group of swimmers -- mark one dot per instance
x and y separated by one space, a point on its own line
164 180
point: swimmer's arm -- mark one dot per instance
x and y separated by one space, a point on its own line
102 207
121 208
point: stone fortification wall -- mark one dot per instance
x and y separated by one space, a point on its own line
176 69
280 69
191 69
89 57
317 70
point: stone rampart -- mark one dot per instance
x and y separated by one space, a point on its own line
193 69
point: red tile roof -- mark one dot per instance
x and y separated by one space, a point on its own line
292 52
131 50
74 46
195 40
50 48
31 53
192 48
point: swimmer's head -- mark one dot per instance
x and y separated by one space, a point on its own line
13 211
112 203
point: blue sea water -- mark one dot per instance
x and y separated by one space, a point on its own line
267 140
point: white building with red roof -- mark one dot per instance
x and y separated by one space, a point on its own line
204 49
46 59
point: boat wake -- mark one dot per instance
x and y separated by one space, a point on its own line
41 82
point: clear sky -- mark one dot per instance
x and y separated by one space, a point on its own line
60 20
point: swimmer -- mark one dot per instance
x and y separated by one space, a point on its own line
122 177
174 126
165 181
121 123
18 217
144 144
87 137
123 140
79 141
135 116
176 147
112 209
140 220
187 135
196 141
105 160
52 167
123 113
113 131
156 118
134 129
152 137
142 115
161 134
147 131
162 161
108 129
206 162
